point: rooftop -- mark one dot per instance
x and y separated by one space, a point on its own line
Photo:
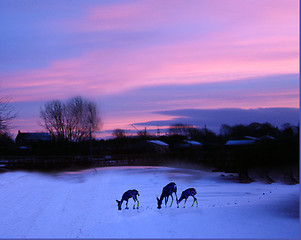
157 142
240 142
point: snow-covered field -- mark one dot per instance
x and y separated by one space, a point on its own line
82 205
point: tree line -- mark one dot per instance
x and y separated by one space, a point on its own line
72 123
276 149
206 136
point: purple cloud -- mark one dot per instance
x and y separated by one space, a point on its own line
214 118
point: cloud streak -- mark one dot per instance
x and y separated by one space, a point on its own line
100 72
149 103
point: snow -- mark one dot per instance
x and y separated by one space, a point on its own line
82 205
240 142
191 142
158 142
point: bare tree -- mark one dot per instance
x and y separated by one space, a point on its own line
143 133
225 130
180 129
6 115
75 120
54 118
119 133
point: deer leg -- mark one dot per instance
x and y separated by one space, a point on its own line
135 199
171 200
166 200
195 200
185 202
126 206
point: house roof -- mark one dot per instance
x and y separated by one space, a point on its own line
33 136
157 142
267 137
251 138
263 137
240 142
192 142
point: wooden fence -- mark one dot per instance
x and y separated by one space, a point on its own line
56 162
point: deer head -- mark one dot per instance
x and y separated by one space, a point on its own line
159 203
119 204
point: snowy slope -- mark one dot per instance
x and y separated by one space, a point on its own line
82 205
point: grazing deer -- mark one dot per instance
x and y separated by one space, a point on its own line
167 191
126 196
185 194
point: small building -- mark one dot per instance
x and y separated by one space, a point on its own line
25 140
186 145
248 140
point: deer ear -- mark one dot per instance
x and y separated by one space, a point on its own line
158 199
117 201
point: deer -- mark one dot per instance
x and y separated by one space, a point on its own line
126 196
185 194
167 191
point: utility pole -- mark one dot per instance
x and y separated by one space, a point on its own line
134 127
138 130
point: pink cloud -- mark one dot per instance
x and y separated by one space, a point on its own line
215 41
232 99
150 15
111 71
248 38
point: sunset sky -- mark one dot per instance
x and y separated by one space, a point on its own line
153 63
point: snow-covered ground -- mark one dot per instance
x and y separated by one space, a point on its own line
82 205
